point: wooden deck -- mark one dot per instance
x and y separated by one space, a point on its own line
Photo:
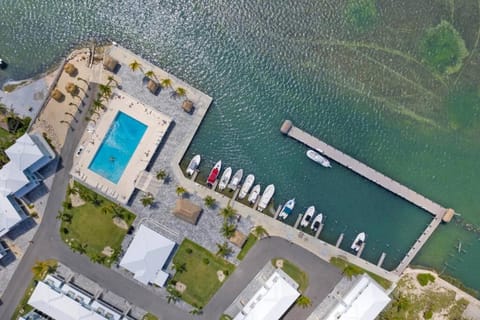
367 172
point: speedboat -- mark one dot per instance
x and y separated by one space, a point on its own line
315 156
237 177
254 194
193 165
247 185
317 222
266 197
287 209
358 242
307 217
212 177
225 178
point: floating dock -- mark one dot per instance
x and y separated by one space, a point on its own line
365 171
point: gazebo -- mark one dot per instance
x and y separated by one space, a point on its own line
58 95
187 106
187 211
153 86
110 64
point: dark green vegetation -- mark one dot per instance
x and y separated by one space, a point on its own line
11 128
295 273
350 270
40 271
251 240
463 108
149 316
425 278
457 283
89 228
361 14
406 305
443 49
199 272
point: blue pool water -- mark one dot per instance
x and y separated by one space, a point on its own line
117 147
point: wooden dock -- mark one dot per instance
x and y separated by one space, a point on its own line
363 170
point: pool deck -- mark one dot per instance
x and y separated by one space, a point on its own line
157 125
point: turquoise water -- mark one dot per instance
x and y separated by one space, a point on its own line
117 147
265 61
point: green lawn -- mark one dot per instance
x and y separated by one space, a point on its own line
350 269
92 228
200 275
149 316
295 273
251 240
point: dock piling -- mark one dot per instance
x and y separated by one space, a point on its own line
339 241
299 218
317 234
359 253
380 261
277 212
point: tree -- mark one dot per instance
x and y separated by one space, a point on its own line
173 294
196 311
112 79
147 200
303 301
224 249
95 200
209 201
228 213
83 80
180 268
105 91
114 209
260 232
150 74
42 267
135 65
180 191
166 83
98 258
79 247
97 104
161 174
180 92
228 230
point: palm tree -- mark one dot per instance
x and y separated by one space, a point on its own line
97 104
228 230
79 247
96 200
224 249
180 191
180 91
147 200
196 311
228 213
303 301
98 258
166 83
161 174
71 115
105 91
209 201
260 232
180 268
112 79
135 65
150 74
42 267
173 294
81 79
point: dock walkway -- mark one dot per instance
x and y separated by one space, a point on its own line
363 170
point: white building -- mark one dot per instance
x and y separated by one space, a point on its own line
20 175
146 256
364 300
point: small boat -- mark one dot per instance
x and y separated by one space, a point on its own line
3 64
212 177
193 165
225 178
254 194
315 156
358 242
266 197
307 217
317 222
237 177
287 209
247 185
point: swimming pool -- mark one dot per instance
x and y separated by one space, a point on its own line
117 147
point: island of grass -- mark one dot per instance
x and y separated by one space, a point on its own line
199 272
293 272
96 227
350 270
249 243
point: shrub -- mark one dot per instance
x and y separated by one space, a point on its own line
65 230
188 250
361 14
428 314
206 261
425 278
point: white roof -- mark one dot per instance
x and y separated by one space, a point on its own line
24 152
59 306
147 254
364 301
271 301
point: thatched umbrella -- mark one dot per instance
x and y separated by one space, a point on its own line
110 64
72 88
153 86
187 106
58 95
70 70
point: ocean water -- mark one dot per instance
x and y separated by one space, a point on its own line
365 92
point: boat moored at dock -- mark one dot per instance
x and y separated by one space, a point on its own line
212 177
318 158
287 209
317 222
237 177
225 178
252 198
193 165
247 185
307 217
358 242
266 197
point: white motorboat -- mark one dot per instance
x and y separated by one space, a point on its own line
318 158
287 209
307 217
266 197
193 165
212 176
317 222
225 178
254 194
247 185
358 242
237 177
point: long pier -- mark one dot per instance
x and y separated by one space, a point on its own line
365 171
